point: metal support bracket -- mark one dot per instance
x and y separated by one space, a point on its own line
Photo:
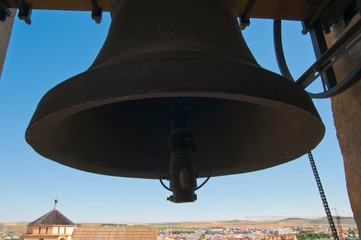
244 20
328 14
330 56
325 59
307 26
4 12
24 12
96 12
320 47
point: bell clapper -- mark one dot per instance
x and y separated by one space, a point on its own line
182 172
183 181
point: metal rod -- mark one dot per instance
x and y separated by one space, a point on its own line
277 39
96 12
19 5
95 5
245 18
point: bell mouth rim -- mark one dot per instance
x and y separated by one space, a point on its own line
313 121
236 90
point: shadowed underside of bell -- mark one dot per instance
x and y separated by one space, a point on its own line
114 118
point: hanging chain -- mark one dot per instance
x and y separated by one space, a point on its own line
323 197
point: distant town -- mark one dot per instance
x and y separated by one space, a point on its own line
55 226
287 229
275 233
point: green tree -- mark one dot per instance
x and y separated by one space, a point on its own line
312 236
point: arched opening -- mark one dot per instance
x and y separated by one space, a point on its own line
62 238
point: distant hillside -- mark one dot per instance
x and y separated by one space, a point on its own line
289 222
19 227
344 221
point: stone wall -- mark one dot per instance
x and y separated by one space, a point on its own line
5 32
346 109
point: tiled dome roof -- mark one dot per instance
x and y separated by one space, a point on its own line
53 217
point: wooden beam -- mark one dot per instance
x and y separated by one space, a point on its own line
273 9
278 9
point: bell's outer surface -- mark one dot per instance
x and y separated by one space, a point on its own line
114 118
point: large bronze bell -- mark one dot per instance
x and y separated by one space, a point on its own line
114 118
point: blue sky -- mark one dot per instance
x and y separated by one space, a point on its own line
59 45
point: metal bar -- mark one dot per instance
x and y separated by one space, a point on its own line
96 12
351 34
24 12
4 12
277 39
323 197
320 47
245 18
342 52
19 6
345 84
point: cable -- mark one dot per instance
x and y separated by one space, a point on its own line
209 169
160 171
